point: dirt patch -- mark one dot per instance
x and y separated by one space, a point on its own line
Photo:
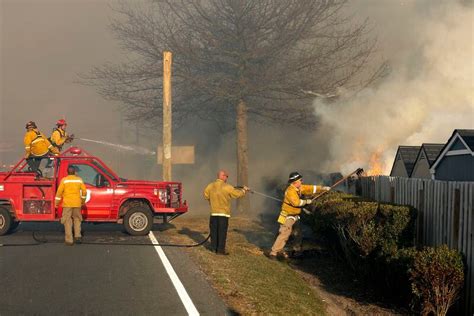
342 292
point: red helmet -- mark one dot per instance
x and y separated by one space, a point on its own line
61 122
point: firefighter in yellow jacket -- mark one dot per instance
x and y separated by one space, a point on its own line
37 147
59 136
290 214
219 194
72 192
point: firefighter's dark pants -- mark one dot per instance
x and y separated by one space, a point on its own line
34 163
218 226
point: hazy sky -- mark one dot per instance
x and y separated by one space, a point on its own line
45 43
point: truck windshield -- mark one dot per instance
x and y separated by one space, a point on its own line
104 170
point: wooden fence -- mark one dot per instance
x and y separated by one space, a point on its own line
445 215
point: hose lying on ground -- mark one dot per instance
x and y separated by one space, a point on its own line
41 241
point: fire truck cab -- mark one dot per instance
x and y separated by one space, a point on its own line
24 197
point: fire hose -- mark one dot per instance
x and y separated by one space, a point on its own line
39 241
357 172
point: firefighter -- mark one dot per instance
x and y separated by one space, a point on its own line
219 194
293 202
72 192
37 147
59 136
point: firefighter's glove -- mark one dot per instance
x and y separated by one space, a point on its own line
246 188
326 188
69 138
308 202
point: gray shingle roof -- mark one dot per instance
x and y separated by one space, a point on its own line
432 151
409 155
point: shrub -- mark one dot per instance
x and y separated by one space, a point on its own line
377 240
363 228
437 278
398 228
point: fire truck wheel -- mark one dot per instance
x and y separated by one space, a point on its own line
138 221
5 221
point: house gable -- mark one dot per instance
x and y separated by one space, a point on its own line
456 147
404 161
421 169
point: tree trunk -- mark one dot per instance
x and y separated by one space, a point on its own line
243 204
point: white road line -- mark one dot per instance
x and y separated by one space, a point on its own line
183 295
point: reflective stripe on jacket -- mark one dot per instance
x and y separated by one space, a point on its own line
36 144
219 195
71 191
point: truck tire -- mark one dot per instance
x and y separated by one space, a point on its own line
138 221
5 221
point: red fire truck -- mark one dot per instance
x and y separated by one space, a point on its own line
25 197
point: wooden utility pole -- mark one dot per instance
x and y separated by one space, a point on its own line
167 62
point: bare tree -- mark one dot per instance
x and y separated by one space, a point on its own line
236 60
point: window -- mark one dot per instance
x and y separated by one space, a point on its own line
88 174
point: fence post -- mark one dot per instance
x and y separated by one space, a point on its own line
420 217
392 195
457 209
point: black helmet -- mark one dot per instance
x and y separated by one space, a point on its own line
30 124
294 176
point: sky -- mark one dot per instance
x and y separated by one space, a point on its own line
45 44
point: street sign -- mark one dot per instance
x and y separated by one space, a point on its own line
180 155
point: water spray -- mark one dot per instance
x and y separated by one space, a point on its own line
138 150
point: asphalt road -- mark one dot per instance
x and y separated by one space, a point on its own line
54 279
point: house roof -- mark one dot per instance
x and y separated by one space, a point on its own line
408 155
467 135
431 151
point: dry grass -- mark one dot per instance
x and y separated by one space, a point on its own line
248 282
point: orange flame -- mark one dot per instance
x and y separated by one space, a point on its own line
376 165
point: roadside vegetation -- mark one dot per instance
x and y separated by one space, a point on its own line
248 281
361 260
376 241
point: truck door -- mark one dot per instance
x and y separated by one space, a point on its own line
99 192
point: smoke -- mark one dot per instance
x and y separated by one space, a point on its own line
428 94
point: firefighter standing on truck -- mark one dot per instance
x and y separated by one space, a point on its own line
37 147
219 195
290 215
59 136
72 192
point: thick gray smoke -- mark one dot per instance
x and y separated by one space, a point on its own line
428 94
45 44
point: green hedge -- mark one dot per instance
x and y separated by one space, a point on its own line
377 241
369 229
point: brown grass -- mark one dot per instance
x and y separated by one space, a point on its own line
248 282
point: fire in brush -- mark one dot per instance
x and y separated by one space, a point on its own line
376 164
